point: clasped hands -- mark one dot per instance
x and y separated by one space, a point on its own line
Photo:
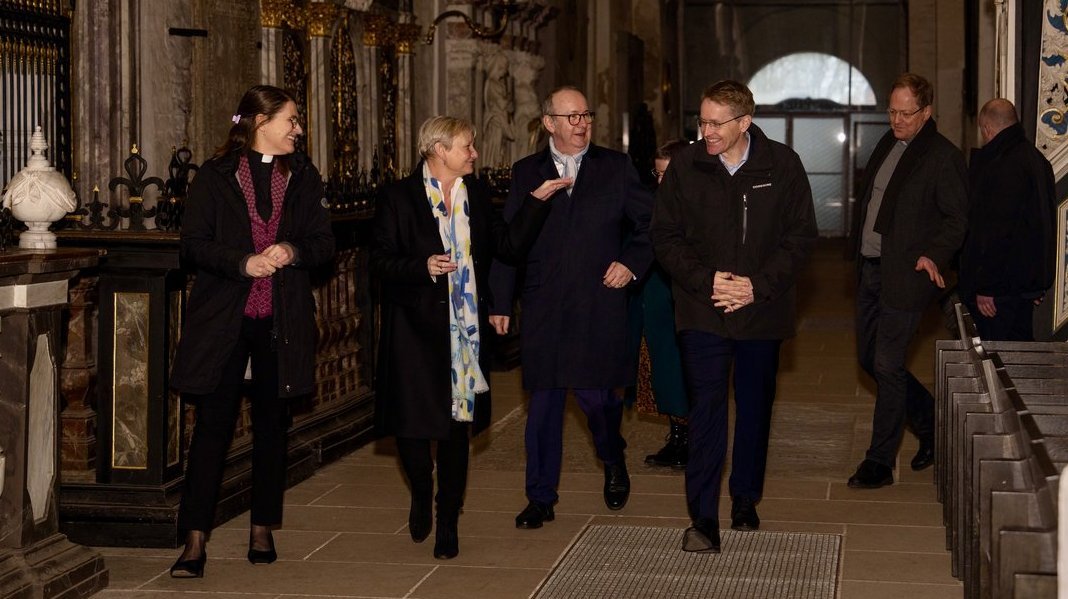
731 292
265 263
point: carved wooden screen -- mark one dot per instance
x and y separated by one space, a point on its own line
34 81
346 138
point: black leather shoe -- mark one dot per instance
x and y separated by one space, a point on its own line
447 539
419 519
674 453
534 515
262 556
744 514
923 458
871 475
616 485
702 537
190 568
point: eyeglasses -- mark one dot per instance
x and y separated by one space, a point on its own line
294 122
657 174
715 125
576 117
901 113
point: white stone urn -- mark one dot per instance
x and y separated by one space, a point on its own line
39 195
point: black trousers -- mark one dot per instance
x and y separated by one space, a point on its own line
418 463
1013 321
883 337
214 429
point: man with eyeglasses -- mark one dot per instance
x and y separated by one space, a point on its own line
733 225
574 303
909 222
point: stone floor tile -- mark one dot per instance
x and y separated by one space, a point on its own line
852 589
890 566
900 491
453 582
894 538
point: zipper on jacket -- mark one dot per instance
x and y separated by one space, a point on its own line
745 216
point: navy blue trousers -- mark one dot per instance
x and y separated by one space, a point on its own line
544 435
706 362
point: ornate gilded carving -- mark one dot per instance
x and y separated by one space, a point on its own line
295 74
387 73
282 13
407 35
320 18
346 138
377 29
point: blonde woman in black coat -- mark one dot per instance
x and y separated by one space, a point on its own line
435 236
255 223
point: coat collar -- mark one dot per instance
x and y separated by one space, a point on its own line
760 159
912 158
587 174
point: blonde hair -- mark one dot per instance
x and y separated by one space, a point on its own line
443 130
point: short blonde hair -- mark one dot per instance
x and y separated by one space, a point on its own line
443 130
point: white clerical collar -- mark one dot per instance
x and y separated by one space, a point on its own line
266 158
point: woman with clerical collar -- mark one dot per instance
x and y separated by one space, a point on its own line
256 223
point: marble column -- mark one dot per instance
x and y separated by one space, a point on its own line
77 384
321 17
409 35
35 559
370 88
460 59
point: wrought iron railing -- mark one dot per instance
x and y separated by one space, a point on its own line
34 81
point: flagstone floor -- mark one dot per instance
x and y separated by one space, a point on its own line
345 532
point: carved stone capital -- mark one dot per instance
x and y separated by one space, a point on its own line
320 18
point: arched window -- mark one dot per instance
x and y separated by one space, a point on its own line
811 75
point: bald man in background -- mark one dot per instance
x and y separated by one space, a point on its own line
1008 258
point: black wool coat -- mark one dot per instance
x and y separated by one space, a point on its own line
573 329
215 241
1009 250
758 223
924 212
413 390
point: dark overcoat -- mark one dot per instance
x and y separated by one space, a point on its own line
574 329
924 212
413 390
216 239
1010 249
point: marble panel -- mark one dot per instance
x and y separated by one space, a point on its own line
129 432
174 401
42 448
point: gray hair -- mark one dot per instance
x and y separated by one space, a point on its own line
443 130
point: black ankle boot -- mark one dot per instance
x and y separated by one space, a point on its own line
420 518
674 453
446 539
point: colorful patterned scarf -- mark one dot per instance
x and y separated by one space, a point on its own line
455 231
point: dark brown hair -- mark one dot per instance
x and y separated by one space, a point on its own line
920 87
259 99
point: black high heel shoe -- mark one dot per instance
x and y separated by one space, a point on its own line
260 556
190 568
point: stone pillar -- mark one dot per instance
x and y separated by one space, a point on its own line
409 35
321 17
77 384
369 107
35 559
460 55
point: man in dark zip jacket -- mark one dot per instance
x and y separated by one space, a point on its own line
732 224
909 222
1008 258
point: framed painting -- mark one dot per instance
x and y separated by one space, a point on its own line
1060 280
